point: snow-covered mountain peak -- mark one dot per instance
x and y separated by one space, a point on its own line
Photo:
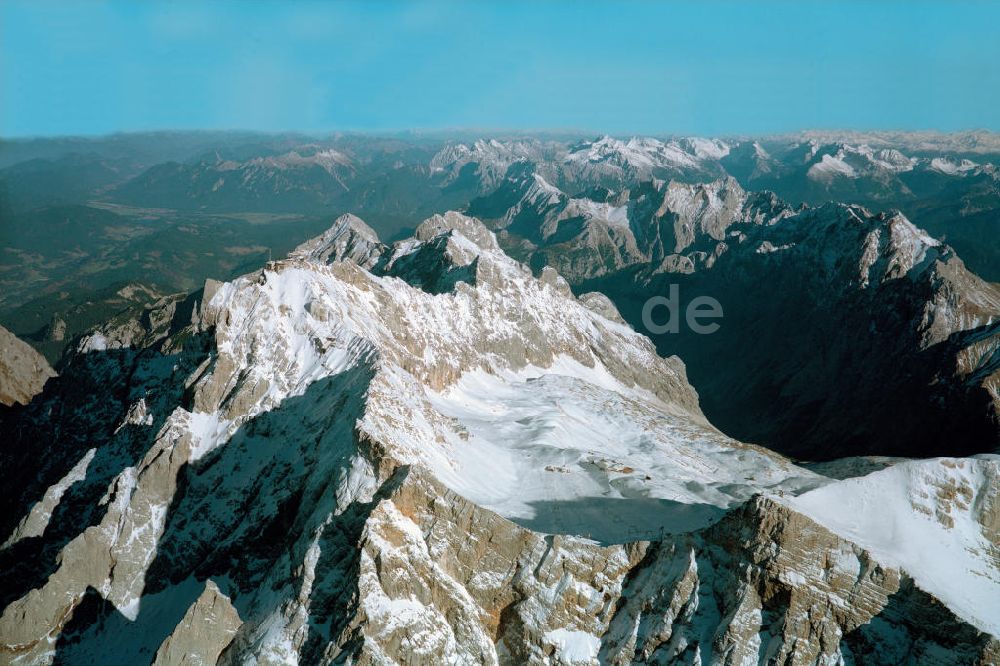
854 161
706 149
708 210
951 166
368 422
638 153
862 247
492 158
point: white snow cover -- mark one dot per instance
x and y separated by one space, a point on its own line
830 166
93 342
849 161
707 149
492 158
694 201
924 517
573 647
952 167
639 153
616 216
562 446
569 449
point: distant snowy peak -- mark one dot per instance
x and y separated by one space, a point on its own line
706 211
749 161
847 161
641 157
329 160
706 149
977 141
831 166
952 166
491 158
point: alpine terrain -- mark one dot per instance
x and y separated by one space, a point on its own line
428 451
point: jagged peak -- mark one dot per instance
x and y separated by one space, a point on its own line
349 238
453 221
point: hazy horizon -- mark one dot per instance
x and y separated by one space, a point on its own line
499 132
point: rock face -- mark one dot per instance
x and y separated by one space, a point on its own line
763 584
438 460
348 239
601 232
205 631
23 371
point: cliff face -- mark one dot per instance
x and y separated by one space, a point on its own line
442 579
323 462
23 371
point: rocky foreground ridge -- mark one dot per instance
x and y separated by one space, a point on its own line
422 453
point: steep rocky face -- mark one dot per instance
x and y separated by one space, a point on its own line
601 232
348 239
23 371
298 473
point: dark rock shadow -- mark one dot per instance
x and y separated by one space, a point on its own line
916 628
613 520
244 515
99 634
80 410
814 378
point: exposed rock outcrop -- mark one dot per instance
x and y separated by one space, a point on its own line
23 371
348 239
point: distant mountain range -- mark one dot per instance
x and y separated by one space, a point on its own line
945 183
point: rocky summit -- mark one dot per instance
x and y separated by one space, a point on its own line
425 452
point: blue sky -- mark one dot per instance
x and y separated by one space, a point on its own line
708 67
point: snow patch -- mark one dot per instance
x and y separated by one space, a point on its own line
573 647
